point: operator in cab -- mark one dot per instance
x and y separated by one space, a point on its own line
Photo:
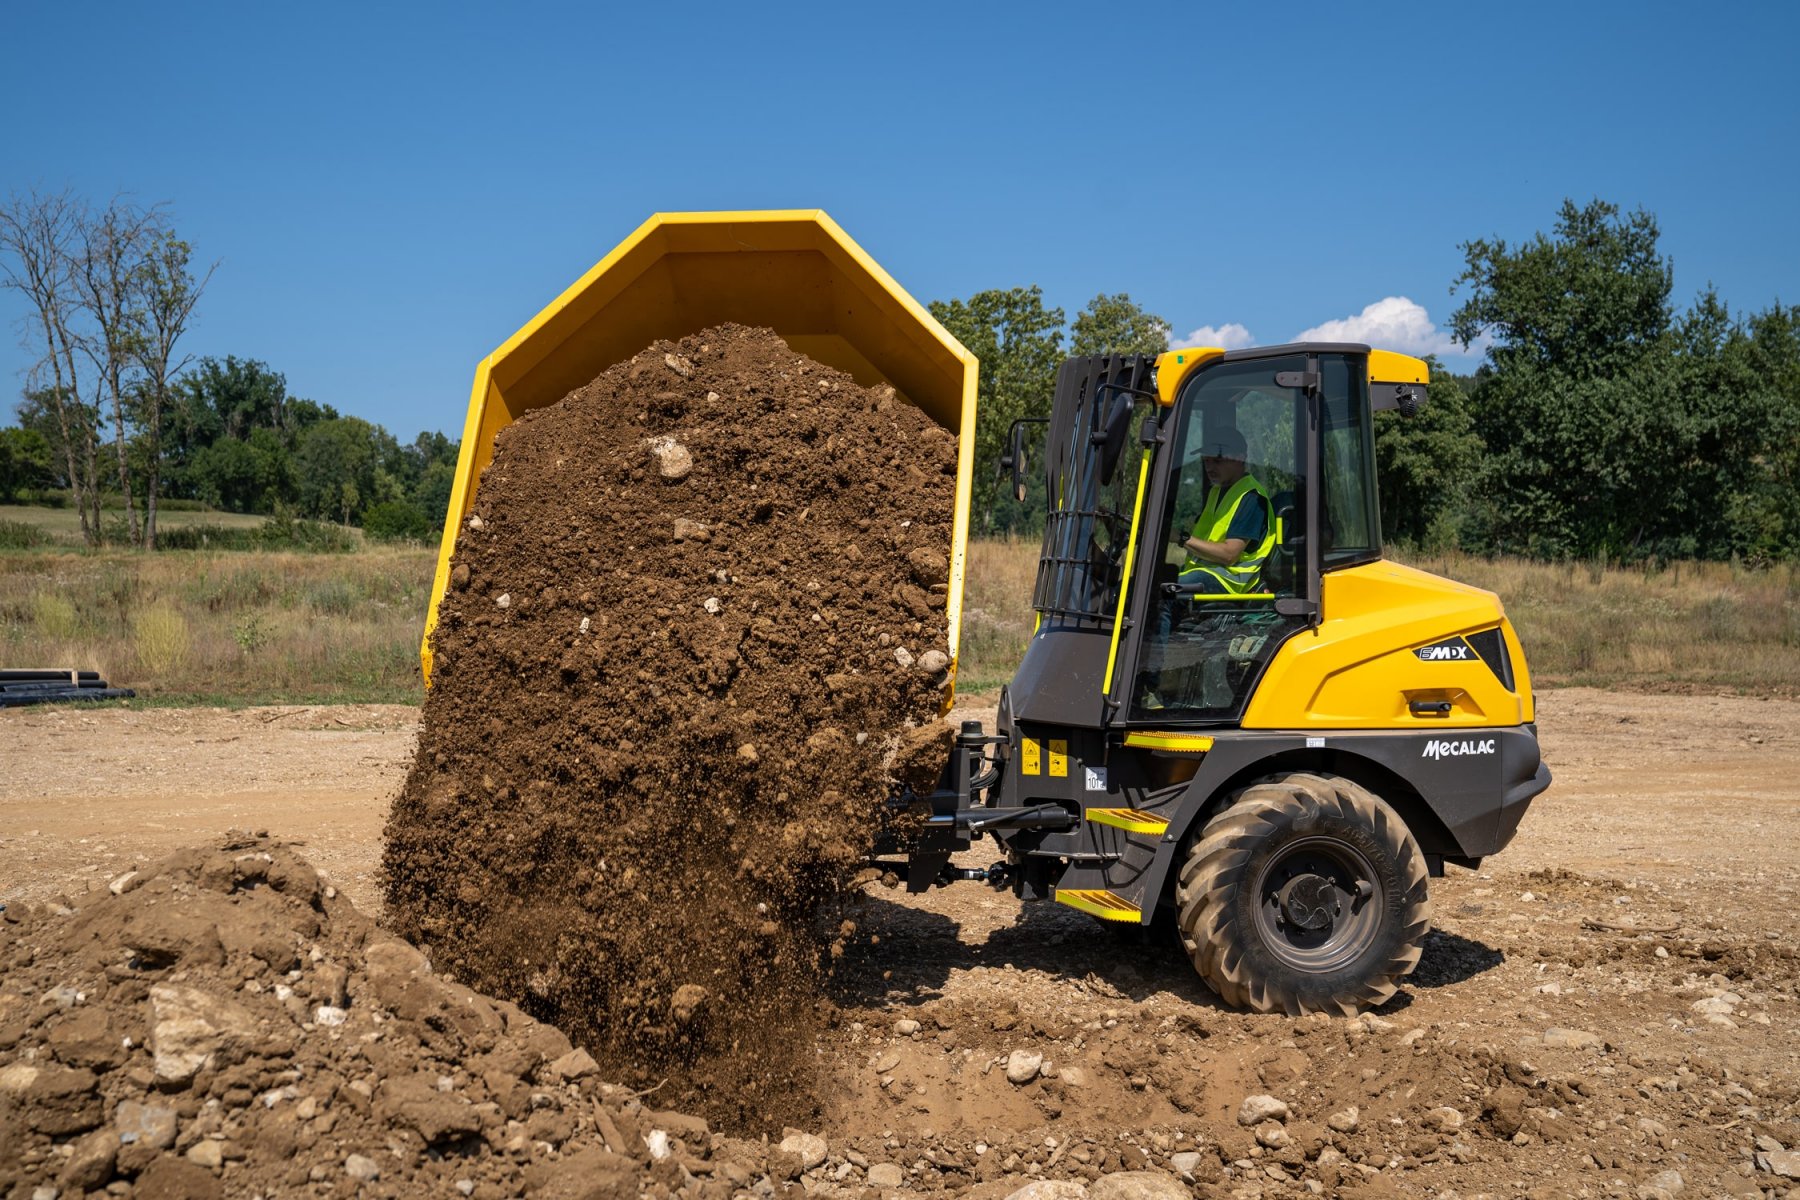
1235 531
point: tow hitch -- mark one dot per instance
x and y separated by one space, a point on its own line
958 812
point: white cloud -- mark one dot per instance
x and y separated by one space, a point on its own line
1395 323
1226 337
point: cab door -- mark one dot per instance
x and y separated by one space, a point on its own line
1298 418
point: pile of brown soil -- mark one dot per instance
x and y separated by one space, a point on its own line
698 606
226 1023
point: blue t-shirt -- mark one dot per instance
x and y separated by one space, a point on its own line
1250 521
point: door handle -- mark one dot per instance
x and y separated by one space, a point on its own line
1430 708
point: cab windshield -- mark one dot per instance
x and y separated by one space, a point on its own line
1094 470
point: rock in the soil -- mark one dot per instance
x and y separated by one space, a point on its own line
576 1064
1186 1162
1257 1109
1573 1039
906 1027
688 1002
673 461
1344 1120
810 1148
151 1125
206 1153
886 1175
1022 1066
1785 1163
1052 1189
1664 1185
193 1030
1138 1185
1444 1120
1073 1076
1272 1135
91 1163
1722 1005
362 1168
933 661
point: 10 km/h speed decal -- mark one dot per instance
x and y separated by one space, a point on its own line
1452 650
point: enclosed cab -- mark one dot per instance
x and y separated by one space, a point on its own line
1276 750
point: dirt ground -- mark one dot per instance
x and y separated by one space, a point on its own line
1606 1009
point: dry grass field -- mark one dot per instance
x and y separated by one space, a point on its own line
1683 625
266 627
64 524
195 627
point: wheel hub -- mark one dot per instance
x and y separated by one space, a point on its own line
1308 902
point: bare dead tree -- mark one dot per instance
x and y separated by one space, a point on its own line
39 236
168 293
107 278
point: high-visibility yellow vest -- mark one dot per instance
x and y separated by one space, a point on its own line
1215 521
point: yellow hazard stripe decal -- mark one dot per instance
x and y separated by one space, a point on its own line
1099 903
1195 743
1132 820
1131 541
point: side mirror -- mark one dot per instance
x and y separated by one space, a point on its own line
1016 461
1408 398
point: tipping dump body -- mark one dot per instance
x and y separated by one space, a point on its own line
793 271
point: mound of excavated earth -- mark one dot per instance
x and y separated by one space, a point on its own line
224 1023
696 610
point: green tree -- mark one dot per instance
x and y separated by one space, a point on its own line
1019 344
39 412
1587 300
168 292
1769 516
241 394
1115 325
1610 429
335 466
397 521
249 476
1426 466
25 462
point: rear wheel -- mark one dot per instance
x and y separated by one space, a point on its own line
1306 894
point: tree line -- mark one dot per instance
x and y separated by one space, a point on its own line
1601 422
112 415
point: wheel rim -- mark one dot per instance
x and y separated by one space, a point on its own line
1318 904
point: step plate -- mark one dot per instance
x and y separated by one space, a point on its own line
1100 903
1131 820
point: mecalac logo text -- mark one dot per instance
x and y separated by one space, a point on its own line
1454 650
1451 748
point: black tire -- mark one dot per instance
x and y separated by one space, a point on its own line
1305 894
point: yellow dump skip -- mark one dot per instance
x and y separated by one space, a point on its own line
793 271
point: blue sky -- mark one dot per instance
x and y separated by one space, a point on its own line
393 189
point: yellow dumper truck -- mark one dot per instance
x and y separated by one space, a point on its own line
1276 757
